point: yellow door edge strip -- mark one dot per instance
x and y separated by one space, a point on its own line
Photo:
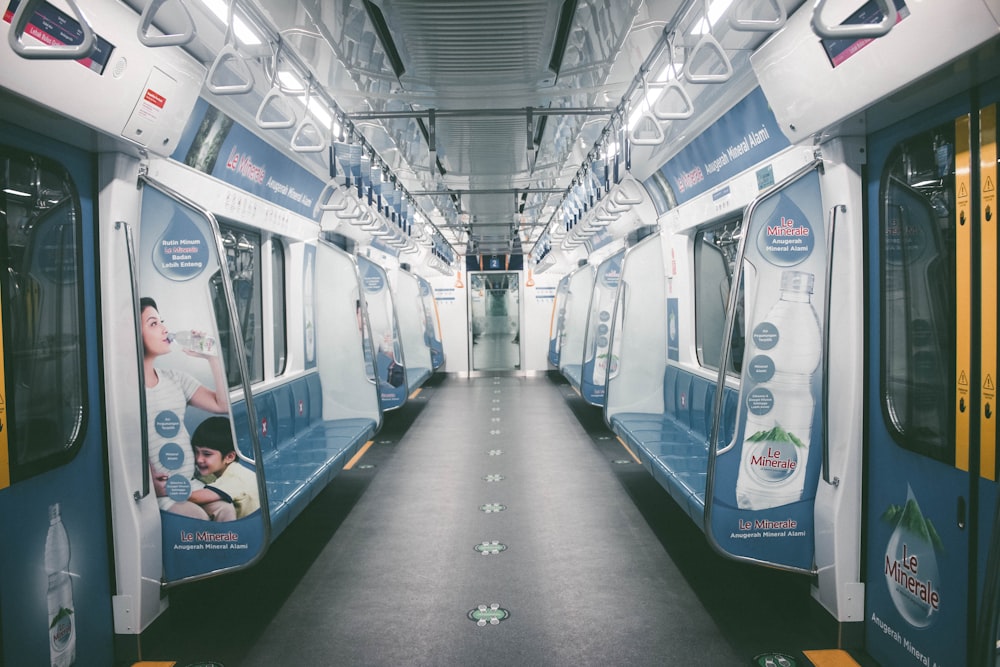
357 457
963 291
831 658
988 290
627 449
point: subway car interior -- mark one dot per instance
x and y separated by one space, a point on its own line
542 332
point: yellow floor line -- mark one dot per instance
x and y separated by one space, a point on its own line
418 390
357 457
151 663
630 452
831 658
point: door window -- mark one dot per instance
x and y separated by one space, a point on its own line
917 233
42 314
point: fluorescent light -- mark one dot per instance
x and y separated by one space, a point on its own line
715 12
242 31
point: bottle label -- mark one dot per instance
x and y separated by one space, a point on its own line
61 630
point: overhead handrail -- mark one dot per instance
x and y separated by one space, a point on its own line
172 39
24 13
759 25
230 54
276 101
672 88
855 30
708 43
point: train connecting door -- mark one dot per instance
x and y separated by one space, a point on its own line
932 374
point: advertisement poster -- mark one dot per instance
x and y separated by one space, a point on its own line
599 361
205 485
216 145
389 366
765 480
741 138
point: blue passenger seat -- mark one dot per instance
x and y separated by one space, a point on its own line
301 451
673 444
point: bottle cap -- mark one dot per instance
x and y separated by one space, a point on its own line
799 282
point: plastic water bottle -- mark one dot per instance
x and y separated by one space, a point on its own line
62 621
787 347
194 341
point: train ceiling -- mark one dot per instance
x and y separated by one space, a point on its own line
485 112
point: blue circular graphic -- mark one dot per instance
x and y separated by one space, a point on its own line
787 238
182 252
167 424
178 488
761 368
373 280
602 329
171 456
760 401
765 336
604 316
612 274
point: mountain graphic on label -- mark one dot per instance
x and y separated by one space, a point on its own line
911 567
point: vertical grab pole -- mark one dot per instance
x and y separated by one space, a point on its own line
137 321
825 406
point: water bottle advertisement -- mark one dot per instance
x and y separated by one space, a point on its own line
388 351
202 477
765 480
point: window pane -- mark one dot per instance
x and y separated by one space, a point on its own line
715 252
42 315
918 310
278 305
242 249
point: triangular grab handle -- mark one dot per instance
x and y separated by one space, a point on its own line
305 125
674 89
855 30
174 39
640 139
759 25
25 11
708 43
228 53
277 102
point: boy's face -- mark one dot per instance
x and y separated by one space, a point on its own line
211 461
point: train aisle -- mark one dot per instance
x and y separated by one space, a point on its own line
502 527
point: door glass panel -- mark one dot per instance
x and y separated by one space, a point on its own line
496 326
917 231
715 251
42 312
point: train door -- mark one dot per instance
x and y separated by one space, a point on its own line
55 588
494 302
932 374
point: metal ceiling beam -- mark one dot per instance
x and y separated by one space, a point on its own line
484 113
488 191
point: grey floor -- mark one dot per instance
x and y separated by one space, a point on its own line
595 565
